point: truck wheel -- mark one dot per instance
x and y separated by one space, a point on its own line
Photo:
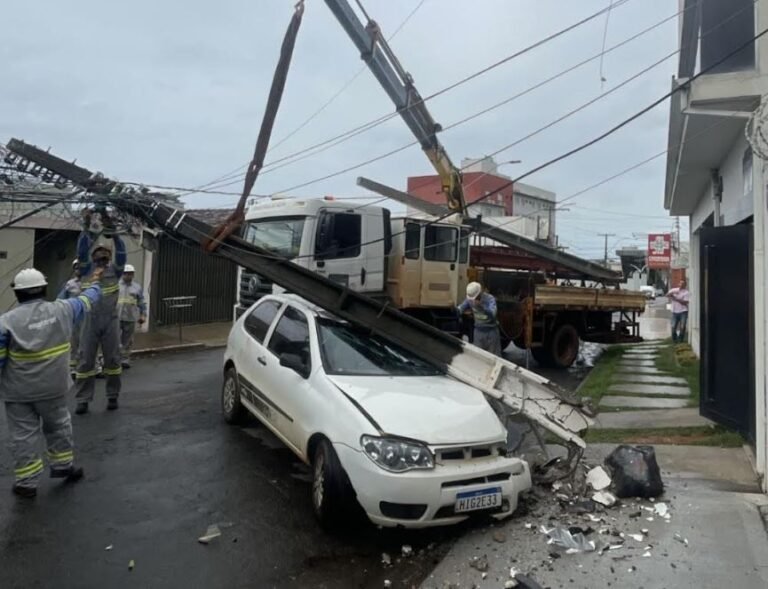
231 407
542 356
563 345
332 494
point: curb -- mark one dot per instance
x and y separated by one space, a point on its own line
176 348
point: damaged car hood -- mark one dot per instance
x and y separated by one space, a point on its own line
432 409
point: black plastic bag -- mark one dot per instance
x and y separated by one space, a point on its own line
635 472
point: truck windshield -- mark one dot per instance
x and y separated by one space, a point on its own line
279 235
352 351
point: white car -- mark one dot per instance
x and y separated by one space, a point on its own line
378 425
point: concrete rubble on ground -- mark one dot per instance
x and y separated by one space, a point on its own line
577 515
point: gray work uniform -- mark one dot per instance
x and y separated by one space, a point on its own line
130 308
71 290
100 327
486 333
34 379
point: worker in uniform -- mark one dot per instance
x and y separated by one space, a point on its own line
131 309
101 327
34 369
484 312
72 290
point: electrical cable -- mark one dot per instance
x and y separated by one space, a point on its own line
240 169
377 121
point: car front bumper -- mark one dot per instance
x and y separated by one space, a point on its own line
423 498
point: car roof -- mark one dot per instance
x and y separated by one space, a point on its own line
304 305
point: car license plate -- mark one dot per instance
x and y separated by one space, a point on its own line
480 499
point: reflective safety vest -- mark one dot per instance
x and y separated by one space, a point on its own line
37 355
130 302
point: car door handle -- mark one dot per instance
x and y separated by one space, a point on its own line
262 360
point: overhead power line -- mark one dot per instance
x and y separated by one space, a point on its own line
240 169
379 120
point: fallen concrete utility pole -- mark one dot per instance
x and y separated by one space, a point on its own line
586 269
520 390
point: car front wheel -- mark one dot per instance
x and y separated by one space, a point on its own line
332 495
231 407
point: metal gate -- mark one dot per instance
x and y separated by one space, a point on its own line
727 328
183 270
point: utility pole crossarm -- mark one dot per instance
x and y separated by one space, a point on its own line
586 269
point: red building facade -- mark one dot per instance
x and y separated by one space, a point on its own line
476 186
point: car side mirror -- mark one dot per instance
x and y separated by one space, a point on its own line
295 363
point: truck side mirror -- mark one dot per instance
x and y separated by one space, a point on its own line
323 238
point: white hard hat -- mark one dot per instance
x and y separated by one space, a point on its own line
129 268
29 278
473 290
75 262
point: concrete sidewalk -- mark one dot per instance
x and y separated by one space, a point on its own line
716 535
163 339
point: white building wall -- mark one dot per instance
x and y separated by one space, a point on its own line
16 249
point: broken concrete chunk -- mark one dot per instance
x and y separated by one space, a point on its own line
212 532
407 550
479 563
387 583
386 559
131 565
604 498
571 542
635 472
598 479
499 536
680 539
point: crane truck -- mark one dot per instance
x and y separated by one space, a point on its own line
422 266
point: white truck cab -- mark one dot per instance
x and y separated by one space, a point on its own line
420 266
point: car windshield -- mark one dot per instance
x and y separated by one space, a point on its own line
351 351
279 235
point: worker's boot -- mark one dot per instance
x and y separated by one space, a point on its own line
112 404
24 492
82 408
72 474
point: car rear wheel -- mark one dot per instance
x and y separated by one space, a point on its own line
231 407
332 496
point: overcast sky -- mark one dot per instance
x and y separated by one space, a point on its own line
172 93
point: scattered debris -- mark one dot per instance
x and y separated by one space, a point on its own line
131 565
598 479
661 509
635 472
604 498
386 559
680 539
571 542
212 532
407 550
637 537
387 583
528 526
109 547
510 583
499 536
479 563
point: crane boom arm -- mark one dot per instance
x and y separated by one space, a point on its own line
398 84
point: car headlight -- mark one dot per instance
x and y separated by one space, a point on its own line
397 455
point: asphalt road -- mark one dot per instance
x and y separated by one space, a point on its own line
161 470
